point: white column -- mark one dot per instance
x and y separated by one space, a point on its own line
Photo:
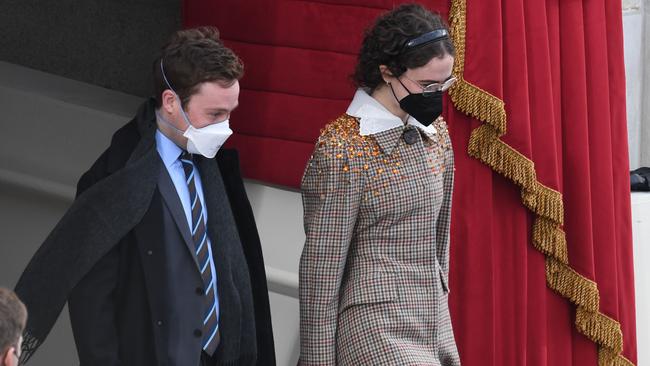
638 133
645 99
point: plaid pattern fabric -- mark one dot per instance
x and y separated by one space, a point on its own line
373 272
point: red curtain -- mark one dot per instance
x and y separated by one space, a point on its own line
558 67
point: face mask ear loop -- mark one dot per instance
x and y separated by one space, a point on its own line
162 70
403 86
392 91
163 119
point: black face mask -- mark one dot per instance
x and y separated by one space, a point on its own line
423 108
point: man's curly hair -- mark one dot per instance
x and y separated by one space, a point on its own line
192 57
383 42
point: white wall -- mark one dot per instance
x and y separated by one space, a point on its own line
645 99
634 53
52 129
636 32
641 237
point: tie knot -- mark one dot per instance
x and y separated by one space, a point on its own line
188 163
186 156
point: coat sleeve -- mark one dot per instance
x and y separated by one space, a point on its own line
330 203
443 222
91 303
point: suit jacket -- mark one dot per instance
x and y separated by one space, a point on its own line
140 303
373 272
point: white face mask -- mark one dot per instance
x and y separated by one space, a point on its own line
205 141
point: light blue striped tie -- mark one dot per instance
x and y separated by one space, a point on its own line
210 331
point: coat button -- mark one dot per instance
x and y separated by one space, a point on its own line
199 291
159 323
411 136
197 333
149 252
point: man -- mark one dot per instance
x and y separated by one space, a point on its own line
159 256
13 316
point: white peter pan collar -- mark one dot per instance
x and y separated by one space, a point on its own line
375 118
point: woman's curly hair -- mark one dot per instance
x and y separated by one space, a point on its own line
383 43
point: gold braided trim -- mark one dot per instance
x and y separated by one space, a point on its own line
547 204
482 105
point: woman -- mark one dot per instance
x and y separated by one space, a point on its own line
377 204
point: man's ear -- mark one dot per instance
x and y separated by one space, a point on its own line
8 357
168 101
